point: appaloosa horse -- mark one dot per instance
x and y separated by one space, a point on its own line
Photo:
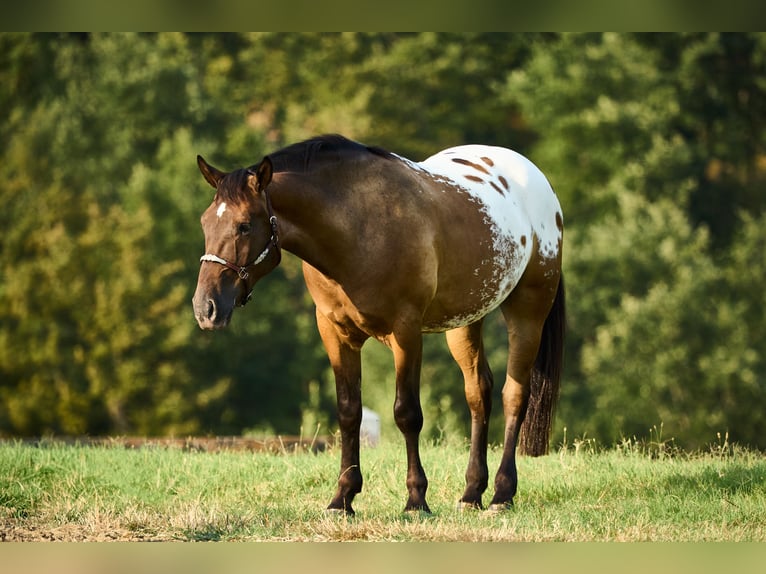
393 249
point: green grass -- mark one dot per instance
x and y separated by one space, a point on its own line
581 493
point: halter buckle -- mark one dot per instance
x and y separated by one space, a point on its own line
243 274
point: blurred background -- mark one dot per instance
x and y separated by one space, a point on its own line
654 143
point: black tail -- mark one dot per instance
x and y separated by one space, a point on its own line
546 378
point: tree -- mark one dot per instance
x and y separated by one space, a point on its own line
101 253
431 91
86 337
722 115
654 143
625 132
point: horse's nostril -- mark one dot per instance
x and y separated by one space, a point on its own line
210 309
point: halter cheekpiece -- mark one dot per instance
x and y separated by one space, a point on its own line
273 242
242 271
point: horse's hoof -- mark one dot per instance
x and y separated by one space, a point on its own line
418 512
499 508
339 512
464 506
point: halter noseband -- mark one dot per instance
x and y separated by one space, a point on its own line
242 271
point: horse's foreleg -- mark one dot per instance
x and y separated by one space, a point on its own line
345 358
467 349
407 346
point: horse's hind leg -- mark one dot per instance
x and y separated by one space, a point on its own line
524 312
345 358
466 346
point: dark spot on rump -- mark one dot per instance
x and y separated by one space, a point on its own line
488 161
559 221
481 168
503 181
523 240
497 189
474 178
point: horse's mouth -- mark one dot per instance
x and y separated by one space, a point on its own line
210 317
207 325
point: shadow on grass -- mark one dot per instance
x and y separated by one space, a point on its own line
211 534
229 527
726 480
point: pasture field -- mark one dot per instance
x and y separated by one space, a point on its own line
579 493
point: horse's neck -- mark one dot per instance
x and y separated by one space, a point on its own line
309 221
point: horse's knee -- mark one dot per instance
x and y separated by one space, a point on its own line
408 416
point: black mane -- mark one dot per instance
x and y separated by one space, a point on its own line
300 156
296 157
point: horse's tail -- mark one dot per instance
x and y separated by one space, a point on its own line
546 377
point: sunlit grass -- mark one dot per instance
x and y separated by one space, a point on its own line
630 492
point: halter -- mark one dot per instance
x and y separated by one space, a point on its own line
242 271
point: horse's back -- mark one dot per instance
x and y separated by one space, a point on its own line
512 189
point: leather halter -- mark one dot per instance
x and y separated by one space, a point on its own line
242 271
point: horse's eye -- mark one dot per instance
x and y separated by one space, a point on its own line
244 228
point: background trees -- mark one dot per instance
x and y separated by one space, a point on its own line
654 143
637 125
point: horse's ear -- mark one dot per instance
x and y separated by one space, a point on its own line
263 173
212 175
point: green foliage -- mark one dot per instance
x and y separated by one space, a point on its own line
648 351
656 329
654 143
99 263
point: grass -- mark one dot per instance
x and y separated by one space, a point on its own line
633 492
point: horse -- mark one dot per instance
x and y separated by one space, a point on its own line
392 249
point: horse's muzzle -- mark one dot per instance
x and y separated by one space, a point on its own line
210 315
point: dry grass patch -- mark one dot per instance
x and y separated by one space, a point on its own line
107 493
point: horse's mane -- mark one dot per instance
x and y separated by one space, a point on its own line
299 157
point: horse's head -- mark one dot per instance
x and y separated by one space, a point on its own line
241 242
